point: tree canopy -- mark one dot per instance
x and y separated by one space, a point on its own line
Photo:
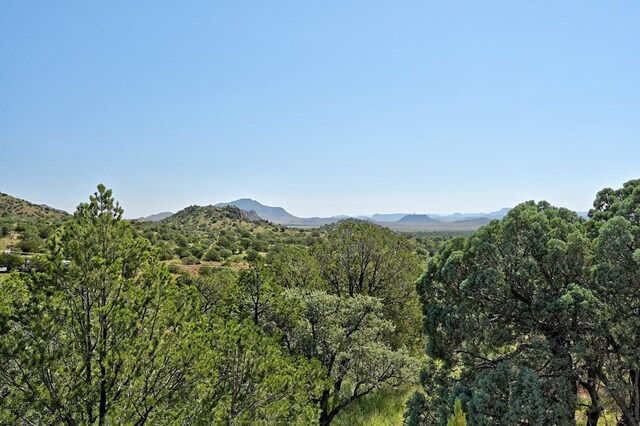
101 336
104 333
530 309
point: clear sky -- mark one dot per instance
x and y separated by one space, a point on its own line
324 108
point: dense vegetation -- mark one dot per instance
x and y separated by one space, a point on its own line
535 319
213 316
103 332
24 227
228 236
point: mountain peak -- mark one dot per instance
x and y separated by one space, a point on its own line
276 215
246 200
417 219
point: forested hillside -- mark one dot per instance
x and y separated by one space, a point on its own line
214 316
291 327
24 228
228 236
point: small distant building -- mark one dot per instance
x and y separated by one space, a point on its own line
4 269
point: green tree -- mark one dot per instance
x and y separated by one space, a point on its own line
218 290
244 375
30 241
417 410
615 226
361 258
11 261
295 267
101 337
259 291
247 378
345 334
508 310
458 418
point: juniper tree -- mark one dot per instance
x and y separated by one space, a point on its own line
504 312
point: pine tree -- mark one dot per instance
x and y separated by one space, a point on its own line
459 418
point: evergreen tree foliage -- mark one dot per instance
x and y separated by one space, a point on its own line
417 410
615 226
458 418
105 335
530 309
503 310
101 336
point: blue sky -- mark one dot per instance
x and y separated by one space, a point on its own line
333 107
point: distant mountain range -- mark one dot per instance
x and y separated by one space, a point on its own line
393 217
155 217
464 216
399 221
416 219
254 210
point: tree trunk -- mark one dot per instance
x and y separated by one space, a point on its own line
88 353
594 411
634 400
103 398
590 385
564 366
325 420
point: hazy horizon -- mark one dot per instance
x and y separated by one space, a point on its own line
127 214
323 109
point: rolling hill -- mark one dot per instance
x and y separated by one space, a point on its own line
199 216
16 207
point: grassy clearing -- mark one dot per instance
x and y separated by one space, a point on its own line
383 408
387 407
8 241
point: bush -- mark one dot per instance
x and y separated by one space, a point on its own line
197 250
183 252
212 255
11 261
206 270
31 244
191 260
252 255
245 243
259 245
174 269
165 253
225 253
